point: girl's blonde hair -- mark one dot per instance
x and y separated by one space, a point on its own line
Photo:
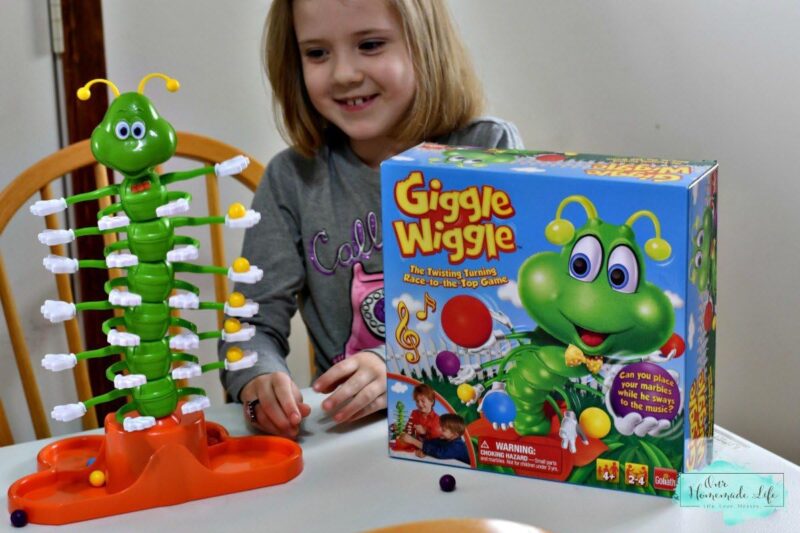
448 94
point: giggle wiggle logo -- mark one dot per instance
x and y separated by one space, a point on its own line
461 222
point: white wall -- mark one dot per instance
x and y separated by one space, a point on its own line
28 132
682 79
691 80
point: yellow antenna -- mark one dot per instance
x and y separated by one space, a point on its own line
657 248
561 231
172 83
84 93
588 206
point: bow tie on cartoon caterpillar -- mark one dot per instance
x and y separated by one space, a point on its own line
574 356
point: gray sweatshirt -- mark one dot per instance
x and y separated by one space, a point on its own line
319 243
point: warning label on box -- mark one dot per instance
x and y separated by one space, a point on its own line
523 455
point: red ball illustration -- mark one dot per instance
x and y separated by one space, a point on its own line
466 321
708 316
675 342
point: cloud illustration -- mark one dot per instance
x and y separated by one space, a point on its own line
399 387
509 293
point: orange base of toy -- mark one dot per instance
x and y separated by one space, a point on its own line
181 458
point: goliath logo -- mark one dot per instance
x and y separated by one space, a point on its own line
665 479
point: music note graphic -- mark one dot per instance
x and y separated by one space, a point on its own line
429 302
406 337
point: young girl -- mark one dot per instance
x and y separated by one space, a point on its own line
354 82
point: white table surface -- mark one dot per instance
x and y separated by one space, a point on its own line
349 483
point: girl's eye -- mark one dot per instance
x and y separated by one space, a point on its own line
122 130
699 239
623 270
586 258
138 130
315 53
371 46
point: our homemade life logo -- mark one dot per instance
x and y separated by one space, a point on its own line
739 493
460 222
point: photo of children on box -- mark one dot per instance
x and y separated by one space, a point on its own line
551 315
428 434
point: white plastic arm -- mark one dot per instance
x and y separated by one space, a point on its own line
129 381
57 311
48 207
58 264
122 338
51 237
249 309
184 341
232 166
67 412
247 332
124 298
121 260
184 300
113 222
138 423
249 359
187 371
250 219
250 277
196 404
56 362
184 253
175 207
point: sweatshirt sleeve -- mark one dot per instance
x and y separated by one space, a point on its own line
502 134
275 246
486 132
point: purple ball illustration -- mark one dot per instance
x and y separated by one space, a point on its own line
448 363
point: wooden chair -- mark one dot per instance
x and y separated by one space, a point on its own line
38 178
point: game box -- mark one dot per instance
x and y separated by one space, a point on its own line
551 315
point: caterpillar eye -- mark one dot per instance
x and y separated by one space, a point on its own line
122 130
472 161
586 258
623 270
138 129
698 259
455 158
699 239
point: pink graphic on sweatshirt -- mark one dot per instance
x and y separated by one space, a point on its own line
368 329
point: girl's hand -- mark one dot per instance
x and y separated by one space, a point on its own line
280 405
359 383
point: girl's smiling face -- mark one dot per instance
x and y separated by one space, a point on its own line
357 69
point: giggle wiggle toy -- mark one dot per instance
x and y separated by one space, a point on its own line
157 449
